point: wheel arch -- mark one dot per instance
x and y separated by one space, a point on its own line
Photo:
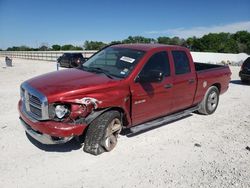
203 109
218 85
95 114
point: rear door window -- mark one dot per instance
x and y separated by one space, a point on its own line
181 62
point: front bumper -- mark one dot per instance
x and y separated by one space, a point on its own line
49 132
44 138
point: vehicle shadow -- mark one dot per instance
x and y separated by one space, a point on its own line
77 144
239 82
128 133
67 147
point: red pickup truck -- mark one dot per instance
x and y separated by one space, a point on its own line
132 86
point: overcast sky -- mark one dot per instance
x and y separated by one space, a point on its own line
33 22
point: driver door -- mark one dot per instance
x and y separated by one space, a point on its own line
152 99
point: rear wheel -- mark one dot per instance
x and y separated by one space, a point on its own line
103 132
210 101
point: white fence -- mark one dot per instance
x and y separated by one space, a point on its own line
205 57
42 55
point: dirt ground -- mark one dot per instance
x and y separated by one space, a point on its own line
197 151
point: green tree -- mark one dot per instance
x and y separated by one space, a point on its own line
115 42
176 41
231 46
138 39
213 42
243 41
219 42
172 41
19 48
190 42
164 40
67 47
43 48
13 48
56 47
198 46
78 48
93 45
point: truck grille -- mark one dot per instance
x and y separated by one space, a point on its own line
34 103
35 100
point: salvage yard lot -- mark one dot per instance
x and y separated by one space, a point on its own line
196 151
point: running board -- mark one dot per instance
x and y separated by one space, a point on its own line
162 120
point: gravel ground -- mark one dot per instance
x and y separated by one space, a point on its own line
197 151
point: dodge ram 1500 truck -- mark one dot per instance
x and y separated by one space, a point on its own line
132 86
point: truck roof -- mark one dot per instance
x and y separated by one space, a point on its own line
144 47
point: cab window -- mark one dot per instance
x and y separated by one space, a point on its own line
159 61
181 62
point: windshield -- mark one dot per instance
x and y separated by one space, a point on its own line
117 62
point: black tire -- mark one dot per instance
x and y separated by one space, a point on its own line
210 101
98 137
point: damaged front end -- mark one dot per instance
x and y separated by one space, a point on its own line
63 120
73 111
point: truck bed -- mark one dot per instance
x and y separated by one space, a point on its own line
211 74
206 66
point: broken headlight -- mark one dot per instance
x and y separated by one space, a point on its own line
61 111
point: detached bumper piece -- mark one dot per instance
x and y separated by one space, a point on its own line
44 138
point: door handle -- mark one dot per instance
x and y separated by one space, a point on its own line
168 86
191 81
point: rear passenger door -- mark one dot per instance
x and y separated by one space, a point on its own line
184 80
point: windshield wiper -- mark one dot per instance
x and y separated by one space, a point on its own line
98 70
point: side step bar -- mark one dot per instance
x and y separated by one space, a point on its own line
160 121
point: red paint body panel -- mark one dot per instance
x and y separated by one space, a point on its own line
56 85
183 90
220 76
72 84
157 98
53 128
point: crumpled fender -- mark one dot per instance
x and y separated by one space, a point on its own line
100 101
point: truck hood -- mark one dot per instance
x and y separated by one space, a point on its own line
69 82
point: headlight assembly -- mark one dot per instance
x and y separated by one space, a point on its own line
61 111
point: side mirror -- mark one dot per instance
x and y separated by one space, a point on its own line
151 76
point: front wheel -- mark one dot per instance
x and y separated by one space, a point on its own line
210 101
103 132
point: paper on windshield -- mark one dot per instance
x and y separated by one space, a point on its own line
127 59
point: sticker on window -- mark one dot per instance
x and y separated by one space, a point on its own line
127 59
125 70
